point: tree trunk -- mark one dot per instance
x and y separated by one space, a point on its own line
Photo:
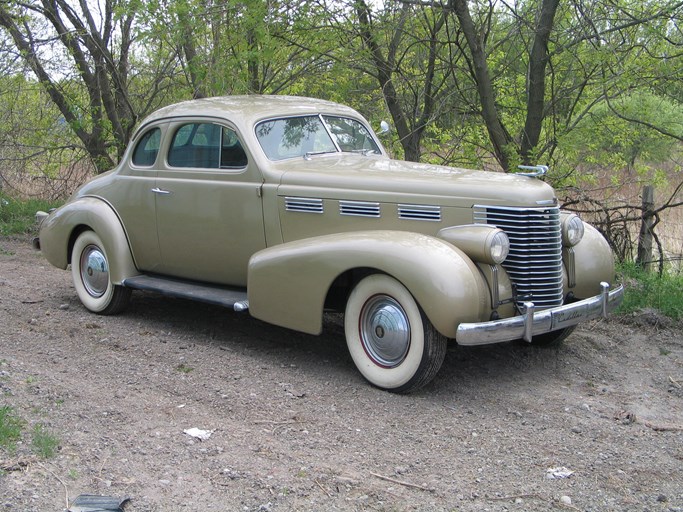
538 61
498 134
409 139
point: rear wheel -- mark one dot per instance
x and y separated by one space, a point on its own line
90 272
391 341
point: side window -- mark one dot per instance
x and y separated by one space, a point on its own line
145 153
206 146
232 153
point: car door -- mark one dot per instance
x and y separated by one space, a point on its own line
130 195
208 204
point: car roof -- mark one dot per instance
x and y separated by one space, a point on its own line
250 109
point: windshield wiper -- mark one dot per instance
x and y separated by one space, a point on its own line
309 154
364 151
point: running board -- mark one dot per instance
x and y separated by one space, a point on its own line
234 298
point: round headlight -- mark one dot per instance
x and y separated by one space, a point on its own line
572 230
500 247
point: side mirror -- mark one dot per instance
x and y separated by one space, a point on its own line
383 128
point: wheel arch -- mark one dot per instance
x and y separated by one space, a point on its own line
75 233
342 286
290 284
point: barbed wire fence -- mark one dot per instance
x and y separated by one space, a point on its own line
649 232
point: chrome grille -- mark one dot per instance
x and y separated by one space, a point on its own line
535 260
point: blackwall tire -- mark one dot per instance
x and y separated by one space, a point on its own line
391 341
90 272
551 339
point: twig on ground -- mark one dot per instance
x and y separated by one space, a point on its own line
515 496
15 465
662 428
322 488
675 382
66 489
399 482
271 422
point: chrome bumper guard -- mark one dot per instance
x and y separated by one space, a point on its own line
532 323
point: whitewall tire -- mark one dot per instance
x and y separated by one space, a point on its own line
391 341
90 272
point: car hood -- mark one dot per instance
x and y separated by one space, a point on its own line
381 179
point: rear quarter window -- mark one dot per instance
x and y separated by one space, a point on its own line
147 148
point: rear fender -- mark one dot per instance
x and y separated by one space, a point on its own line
59 230
288 283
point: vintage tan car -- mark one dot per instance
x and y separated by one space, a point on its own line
287 207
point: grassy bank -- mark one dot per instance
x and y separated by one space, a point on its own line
650 290
17 217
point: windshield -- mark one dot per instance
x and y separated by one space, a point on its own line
309 135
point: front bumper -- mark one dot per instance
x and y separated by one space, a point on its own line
532 323
40 217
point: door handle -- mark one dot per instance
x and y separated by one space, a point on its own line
158 190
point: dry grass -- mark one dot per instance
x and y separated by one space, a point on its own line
20 183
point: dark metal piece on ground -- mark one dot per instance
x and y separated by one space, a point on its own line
94 503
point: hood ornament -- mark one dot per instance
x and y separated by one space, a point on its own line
535 171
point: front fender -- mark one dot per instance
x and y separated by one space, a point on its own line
58 230
288 283
591 261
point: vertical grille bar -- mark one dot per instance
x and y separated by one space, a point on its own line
535 260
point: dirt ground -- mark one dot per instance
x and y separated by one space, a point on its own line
295 427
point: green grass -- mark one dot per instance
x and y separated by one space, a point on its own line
183 368
17 217
43 442
650 290
10 429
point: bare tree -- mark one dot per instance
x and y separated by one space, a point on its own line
410 61
103 75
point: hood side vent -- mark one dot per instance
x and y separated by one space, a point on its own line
419 212
303 204
359 209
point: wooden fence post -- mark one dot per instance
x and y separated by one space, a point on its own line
644 258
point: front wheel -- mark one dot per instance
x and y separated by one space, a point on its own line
391 341
90 272
551 339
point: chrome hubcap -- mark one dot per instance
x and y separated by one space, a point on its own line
384 331
94 271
